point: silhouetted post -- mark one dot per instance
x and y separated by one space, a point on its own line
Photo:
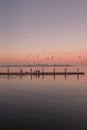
31 71
21 70
38 73
42 73
54 70
65 73
8 70
77 73
65 70
42 70
77 70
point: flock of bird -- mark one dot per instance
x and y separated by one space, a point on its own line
49 59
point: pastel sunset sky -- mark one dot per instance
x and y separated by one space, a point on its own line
50 31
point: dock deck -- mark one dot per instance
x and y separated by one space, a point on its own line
42 73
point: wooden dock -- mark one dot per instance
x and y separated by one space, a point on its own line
42 73
39 72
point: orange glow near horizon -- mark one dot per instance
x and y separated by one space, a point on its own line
42 58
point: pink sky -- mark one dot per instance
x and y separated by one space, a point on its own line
40 27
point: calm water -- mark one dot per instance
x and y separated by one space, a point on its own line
45 102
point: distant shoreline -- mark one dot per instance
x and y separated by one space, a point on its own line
42 65
39 65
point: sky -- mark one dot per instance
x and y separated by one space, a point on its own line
43 31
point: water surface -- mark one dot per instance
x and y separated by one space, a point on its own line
45 102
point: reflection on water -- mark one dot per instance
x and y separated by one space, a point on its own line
43 102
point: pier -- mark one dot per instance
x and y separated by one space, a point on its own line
38 72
